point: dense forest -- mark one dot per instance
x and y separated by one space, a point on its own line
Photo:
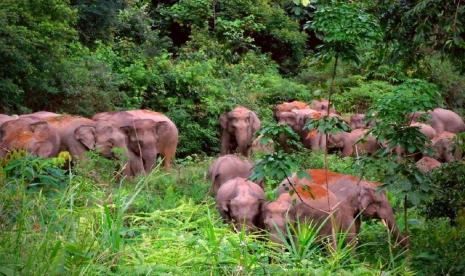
194 60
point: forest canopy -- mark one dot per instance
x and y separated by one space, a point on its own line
193 59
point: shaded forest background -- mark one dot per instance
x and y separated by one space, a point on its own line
194 59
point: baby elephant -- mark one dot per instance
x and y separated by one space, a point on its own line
239 201
228 167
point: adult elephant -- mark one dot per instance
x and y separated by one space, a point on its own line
443 145
149 133
444 120
296 119
355 195
72 137
352 142
312 204
31 134
106 135
238 127
5 118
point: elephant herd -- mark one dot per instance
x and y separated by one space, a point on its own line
343 198
240 125
141 135
333 202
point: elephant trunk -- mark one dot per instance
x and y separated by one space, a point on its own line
243 139
392 226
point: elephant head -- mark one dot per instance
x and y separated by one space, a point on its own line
103 137
239 201
275 216
443 144
143 138
357 121
239 127
374 204
85 134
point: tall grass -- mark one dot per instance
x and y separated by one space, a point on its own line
164 223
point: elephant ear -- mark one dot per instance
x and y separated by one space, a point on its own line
224 120
224 210
254 122
161 127
86 135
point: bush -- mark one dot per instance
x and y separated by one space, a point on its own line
359 98
448 198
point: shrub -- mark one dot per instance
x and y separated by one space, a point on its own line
448 198
359 98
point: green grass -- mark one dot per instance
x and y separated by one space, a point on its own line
162 224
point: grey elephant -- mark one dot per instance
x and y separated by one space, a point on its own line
72 139
227 167
148 134
443 145
353 143
355 195
239 201
296 119
358 121
238 128
107 135
427 164
443 120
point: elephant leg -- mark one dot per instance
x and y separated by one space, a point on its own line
134 165
225 143
168 157
149 159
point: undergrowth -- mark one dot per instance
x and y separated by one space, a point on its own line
164 223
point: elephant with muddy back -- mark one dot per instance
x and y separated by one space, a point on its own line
354 197
29 133
312 204
238 128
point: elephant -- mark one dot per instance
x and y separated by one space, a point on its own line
443 120
322 105
106 135
296 119
426 129
5 118
149 133
349 142
310 204
227 167
288 106
427 164
40 115
357 121
258 148
72 138
356 196
237 130
240 201
31 134
443 145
